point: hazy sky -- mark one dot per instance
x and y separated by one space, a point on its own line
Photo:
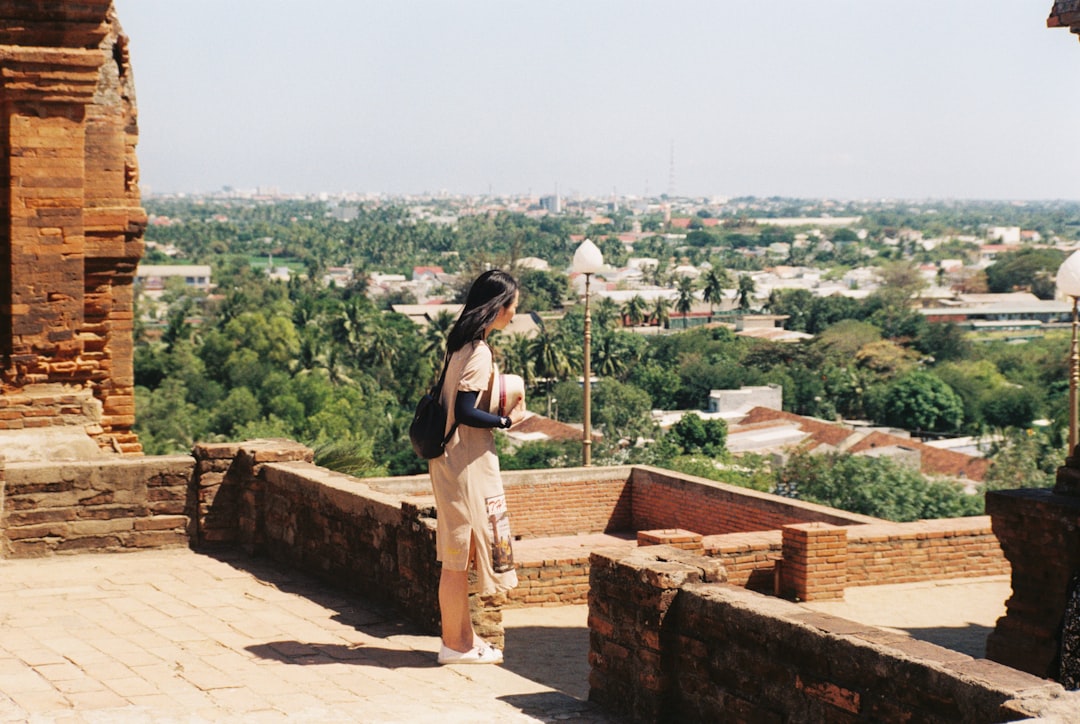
841 98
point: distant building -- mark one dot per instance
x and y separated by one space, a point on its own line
764 430
533 263
151 277
426 273
989 252
339 276
742 400
1004 234
1005 312
552 204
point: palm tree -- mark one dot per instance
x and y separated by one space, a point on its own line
610 359
311 353
661 311
516 358
436 334
335 368
714 289
382 347
351 327
746 291
605 313
549 359
657 274
634 310
685 301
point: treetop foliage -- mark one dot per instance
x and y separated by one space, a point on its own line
332 367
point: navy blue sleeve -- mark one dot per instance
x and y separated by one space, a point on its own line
465 411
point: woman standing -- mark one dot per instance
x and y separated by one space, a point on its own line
469 496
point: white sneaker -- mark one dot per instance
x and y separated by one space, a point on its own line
482 653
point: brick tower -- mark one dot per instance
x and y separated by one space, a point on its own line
71 229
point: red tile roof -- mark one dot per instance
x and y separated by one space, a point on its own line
933 461
552 429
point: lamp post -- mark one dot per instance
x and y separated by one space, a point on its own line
1068 283
587 260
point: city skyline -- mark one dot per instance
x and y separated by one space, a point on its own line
830 99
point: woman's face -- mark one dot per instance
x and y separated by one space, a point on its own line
506 314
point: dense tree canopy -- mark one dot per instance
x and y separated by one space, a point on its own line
874 486
332 367
1024 269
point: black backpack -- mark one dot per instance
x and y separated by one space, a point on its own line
429 421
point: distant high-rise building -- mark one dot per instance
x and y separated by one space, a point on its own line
552 204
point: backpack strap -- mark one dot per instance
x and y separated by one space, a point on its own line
438 388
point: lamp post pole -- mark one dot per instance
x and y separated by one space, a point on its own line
588 261
586 437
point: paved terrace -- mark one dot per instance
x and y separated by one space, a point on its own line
178 636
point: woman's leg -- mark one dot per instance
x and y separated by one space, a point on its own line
457 630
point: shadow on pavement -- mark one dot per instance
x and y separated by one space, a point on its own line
552 656
554 706
970 639
308 654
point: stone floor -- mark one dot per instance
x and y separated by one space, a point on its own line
177 636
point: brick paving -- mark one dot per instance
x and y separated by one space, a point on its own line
176 636
179 637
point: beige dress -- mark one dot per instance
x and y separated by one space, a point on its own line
469 495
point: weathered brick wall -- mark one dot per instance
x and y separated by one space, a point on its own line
356 537
814 566
1040 535
749 558
662 499
225 501
874 554
923 550
213 503
545 503
72 507
630 597
36 406
551 582
71 223
667 644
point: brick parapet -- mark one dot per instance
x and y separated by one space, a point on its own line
923 550
814 562
546 503
877 553
1039 533
50 508
377 537
551 582
630 597
358 538
663 499
750 559
674 537
225 501
665 645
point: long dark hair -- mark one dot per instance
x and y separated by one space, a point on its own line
491 292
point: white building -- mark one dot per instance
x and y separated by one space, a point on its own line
151 277
1004 234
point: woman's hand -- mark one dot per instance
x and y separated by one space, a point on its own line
517 412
